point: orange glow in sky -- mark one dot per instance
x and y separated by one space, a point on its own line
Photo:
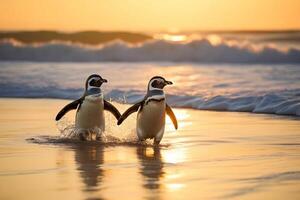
149 15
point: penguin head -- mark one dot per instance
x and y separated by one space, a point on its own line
158 83
93 84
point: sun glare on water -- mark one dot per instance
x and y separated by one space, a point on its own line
181 116
175 38
174 155
214 39
172 37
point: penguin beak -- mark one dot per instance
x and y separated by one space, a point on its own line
168 83
104 81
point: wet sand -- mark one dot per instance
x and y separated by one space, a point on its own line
213 155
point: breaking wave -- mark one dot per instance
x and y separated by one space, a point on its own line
200 51
285 102
281 102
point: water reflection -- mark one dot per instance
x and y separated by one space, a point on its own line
151 166
89 159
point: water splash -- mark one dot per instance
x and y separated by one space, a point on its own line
112 136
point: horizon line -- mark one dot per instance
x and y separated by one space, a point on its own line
158 31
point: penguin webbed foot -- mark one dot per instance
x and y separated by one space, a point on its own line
156 142
82 137
85 136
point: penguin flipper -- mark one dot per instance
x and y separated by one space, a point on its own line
172 116
67 108
109 107
129 111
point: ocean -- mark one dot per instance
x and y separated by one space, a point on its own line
255 72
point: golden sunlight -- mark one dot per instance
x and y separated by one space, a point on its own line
181 116
214 39
145 15
174 155
175 186
172 38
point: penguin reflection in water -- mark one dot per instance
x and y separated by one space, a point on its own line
90 108
151 111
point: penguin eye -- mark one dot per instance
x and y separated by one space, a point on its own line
158 83
92 82
154 84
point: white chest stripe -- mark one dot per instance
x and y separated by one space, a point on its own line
155 97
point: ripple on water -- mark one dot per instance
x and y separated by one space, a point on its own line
69 135
260 182
28 172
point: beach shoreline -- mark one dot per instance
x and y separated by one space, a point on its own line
213 155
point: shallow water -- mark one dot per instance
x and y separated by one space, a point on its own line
213 155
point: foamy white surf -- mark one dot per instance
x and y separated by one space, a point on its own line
273 89
199 51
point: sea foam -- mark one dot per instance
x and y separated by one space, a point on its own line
199 51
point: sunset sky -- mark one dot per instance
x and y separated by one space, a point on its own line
149 15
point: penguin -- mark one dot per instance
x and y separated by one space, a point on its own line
90 107
151 111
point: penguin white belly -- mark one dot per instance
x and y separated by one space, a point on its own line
151 120
90 114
